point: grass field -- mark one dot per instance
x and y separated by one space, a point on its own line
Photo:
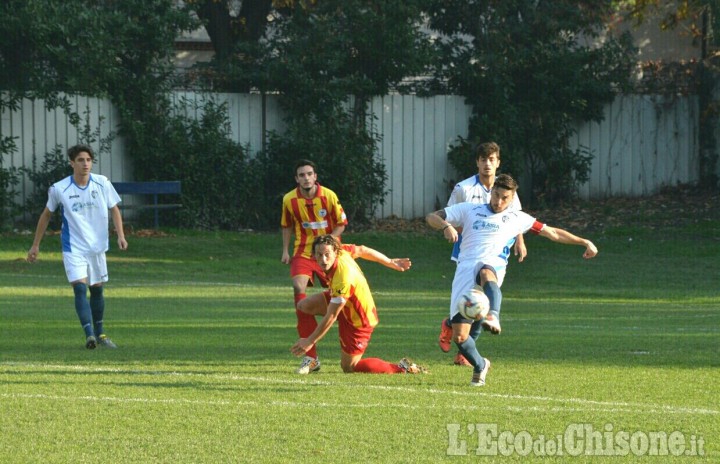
625 346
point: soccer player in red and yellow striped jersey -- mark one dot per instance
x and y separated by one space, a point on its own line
350 302
309 210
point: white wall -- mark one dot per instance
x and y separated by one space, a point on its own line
644 143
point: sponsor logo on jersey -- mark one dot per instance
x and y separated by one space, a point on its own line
79 206
315 225
484 225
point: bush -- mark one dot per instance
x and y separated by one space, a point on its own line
8 180
531 71
346 163
218 187
54 167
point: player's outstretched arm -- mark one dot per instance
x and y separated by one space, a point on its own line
563 236
371 254
42 226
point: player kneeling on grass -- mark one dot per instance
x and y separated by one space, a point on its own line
487 229
350 302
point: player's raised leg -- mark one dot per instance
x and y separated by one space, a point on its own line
490 280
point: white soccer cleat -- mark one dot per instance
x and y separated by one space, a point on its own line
308 365
492 323
478 378
410 367
105 342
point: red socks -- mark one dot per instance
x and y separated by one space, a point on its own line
299 297
306 324
377 366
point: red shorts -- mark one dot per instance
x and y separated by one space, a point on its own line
300 265
353 340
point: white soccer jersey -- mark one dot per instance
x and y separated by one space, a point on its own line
84 213
486 234
487 237
473 191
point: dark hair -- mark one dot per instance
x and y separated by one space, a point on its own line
305 162
484 150
326 240
74 151
505 181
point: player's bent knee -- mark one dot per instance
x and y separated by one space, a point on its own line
299 289
460 339
302 306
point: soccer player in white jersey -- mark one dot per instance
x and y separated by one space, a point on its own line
476 189
84 201
487 230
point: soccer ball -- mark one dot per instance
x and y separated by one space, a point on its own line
473 304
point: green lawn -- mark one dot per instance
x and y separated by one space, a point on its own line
622 349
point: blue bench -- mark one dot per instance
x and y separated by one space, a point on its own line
154 188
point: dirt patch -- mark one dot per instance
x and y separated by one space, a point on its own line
672 207
131 231
676 206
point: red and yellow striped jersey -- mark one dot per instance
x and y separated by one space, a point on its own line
348 282
311 217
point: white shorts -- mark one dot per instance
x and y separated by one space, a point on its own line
464 280
91 267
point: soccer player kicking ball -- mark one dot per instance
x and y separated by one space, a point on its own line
84 201
486 231
350 302
477 189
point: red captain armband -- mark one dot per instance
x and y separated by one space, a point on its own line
537 227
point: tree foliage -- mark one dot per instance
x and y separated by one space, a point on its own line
702 19
530 70
122 50
232 22
326 59
673 14
33 64
317 58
